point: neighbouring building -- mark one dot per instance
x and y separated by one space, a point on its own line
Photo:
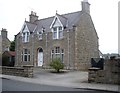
4 41
8 58
72 37
112 55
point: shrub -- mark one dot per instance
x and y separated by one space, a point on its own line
56 64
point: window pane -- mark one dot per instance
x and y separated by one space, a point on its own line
60 28
23 34
55 35
62 50
25 51
57 50
27 33
55 29
62 56
57 55
60 34
52 51
25 57
23 38
28 57
27 38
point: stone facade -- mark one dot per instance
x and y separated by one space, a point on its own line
77 46
4 41
110 74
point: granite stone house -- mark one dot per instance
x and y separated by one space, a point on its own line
72 37
4 41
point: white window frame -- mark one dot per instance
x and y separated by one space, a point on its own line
55 53
25 34
27 54
25 37
40 35
57 32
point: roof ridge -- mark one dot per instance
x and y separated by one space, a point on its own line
71 13
60 15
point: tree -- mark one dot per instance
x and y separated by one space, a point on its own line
56 64
12 46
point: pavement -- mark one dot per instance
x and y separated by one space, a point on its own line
73 79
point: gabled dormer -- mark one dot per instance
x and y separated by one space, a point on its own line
57 26
25 33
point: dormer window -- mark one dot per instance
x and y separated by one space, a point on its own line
25 36
40 35
57 32
57 27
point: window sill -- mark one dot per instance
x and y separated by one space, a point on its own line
25 42
59 39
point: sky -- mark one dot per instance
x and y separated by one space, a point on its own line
104 14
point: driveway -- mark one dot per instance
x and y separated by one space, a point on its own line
65 77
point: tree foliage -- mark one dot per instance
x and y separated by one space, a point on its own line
12 46
56 64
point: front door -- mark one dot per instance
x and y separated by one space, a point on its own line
40 57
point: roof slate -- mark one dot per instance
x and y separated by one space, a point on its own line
68 20
30 26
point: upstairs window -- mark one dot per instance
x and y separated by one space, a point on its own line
57 32
25 37
25 55
25 34
40 35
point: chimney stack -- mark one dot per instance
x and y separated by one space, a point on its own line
33 17
85 6
4 33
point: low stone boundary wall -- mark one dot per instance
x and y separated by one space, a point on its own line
109 75
25 71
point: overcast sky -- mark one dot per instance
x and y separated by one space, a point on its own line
104 15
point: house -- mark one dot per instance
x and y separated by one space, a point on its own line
112 55
8 58
4 43
71 37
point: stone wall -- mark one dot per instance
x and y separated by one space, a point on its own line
25 71
86 42
109 75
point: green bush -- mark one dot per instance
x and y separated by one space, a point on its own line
56 64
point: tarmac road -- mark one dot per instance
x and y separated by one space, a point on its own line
13 85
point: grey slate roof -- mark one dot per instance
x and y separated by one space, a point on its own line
30 26
69 19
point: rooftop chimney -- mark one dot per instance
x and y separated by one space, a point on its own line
85 6
33 17
4 33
